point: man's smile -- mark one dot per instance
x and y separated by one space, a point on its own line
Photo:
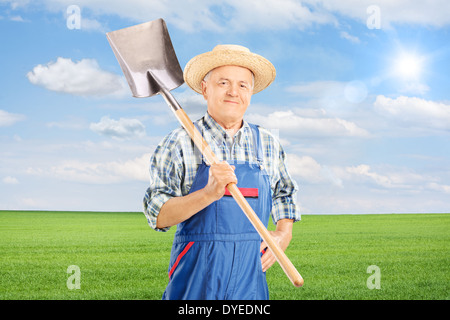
231 101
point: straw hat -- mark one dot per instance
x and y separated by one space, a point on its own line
225 55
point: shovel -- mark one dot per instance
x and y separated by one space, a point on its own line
150 65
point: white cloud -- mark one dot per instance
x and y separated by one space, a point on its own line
8 119
253 14
433 13
415 112
16 4
293 124
84 78
366 189
120 129
347 36
265 14
306 169
439 187
282 14
92 25
414 87
17 19
72 123
98 172
384 178
10 180
332 94
389 178
207 15
365 171
317 89
33 203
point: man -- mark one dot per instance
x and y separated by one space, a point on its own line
217 253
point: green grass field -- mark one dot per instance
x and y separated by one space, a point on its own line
120 257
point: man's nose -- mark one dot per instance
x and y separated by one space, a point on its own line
233 90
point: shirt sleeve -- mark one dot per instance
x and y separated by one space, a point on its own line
166 172
284 198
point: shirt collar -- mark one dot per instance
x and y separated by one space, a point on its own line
216 128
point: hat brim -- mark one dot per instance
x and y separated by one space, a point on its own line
197 68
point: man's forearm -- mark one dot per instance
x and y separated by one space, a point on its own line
179 209
285 226
282 235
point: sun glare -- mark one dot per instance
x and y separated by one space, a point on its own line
408 66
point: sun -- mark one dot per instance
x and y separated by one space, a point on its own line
408 66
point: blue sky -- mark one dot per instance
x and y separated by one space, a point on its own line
361 101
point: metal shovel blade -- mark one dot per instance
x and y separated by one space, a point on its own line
145 52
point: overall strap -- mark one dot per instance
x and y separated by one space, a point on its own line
257 142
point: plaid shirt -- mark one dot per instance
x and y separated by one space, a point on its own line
174 164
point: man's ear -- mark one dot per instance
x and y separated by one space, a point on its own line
204 90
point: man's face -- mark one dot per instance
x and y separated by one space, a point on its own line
228 91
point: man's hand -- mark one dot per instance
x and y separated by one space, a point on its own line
220 175
282 235
179 209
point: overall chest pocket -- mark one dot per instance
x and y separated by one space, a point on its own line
230 218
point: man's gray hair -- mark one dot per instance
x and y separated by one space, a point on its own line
206 77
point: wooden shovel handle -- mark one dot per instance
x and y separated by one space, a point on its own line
211 158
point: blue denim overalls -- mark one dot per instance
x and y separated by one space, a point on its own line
216 252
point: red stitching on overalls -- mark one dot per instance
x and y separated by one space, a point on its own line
186 249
